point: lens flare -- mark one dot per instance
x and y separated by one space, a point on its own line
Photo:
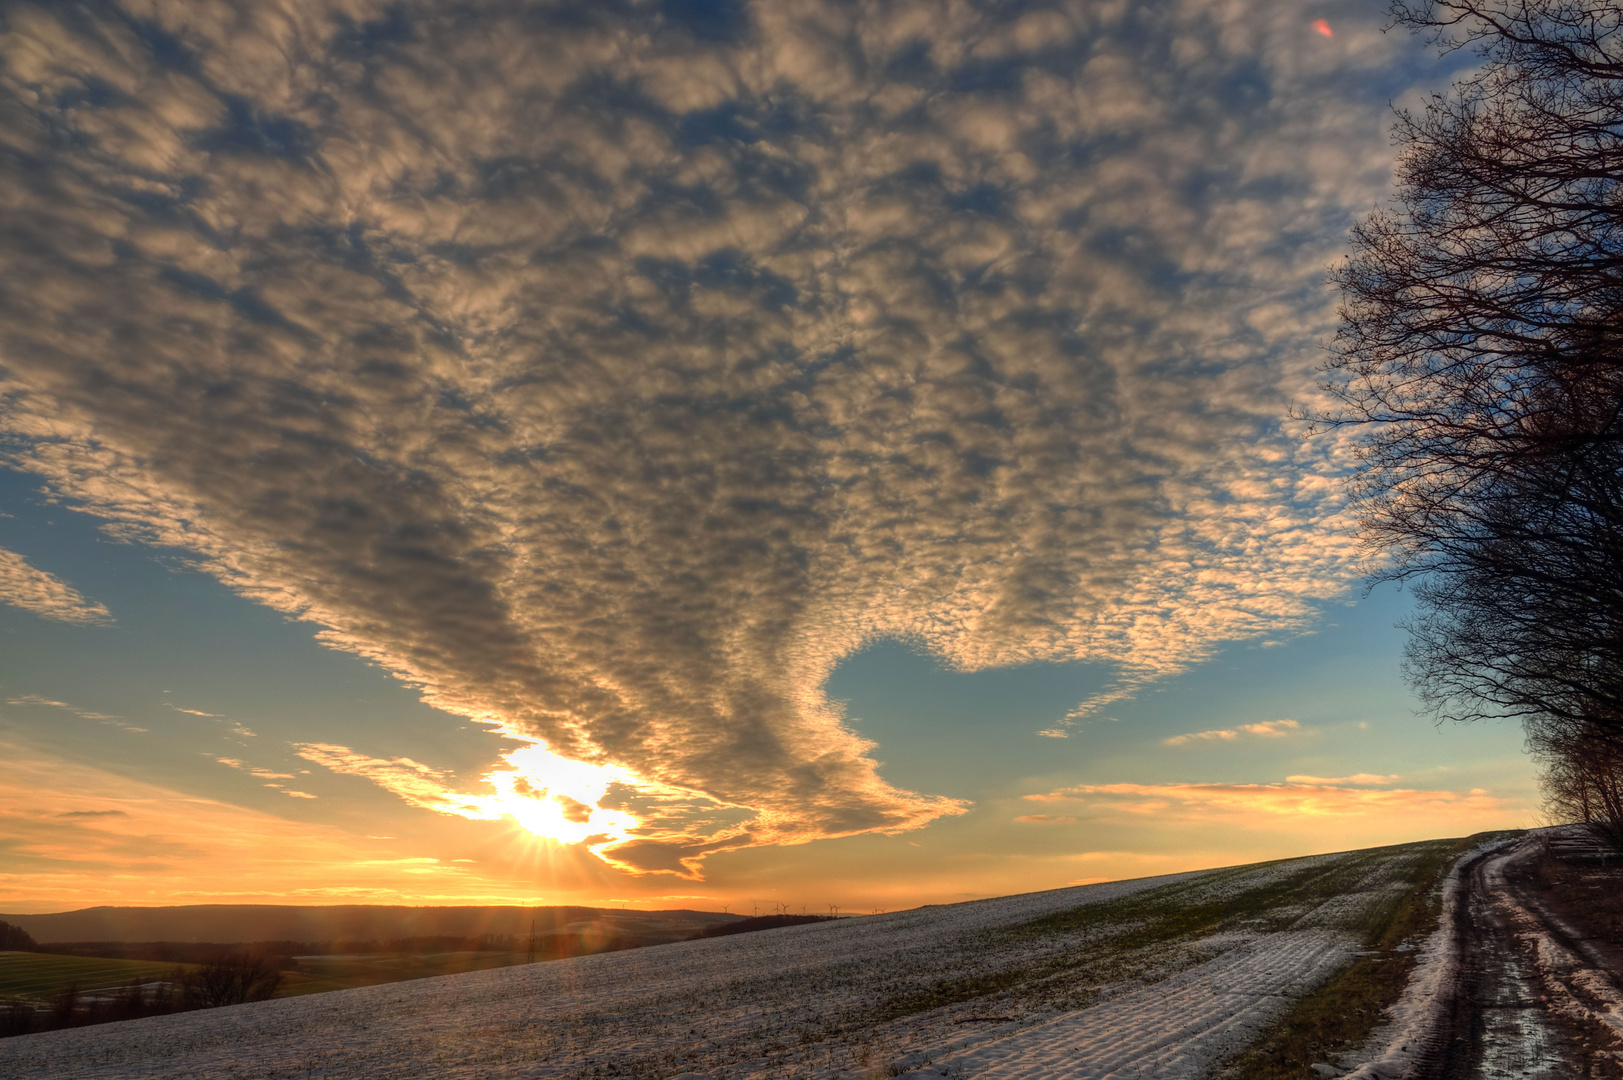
558 798
561 799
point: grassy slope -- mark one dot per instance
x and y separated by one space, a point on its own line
40 976
1135 937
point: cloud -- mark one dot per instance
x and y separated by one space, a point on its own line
609 384
110 719
1363 778
45 594
1267 729
1046 819
266 774
1193 801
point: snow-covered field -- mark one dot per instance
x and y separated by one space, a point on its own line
1162 977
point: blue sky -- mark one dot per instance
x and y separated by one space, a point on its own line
675 451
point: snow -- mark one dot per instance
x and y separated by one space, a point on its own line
828 1001
1179 1028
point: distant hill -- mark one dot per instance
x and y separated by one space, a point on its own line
761 922
230 923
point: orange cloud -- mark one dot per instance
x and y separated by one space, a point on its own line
1323 27
1266 729
1288 799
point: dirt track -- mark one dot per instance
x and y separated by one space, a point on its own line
1536 998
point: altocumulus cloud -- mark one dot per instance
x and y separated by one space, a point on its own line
32 589
610 371
1267 729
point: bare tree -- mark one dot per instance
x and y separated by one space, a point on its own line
1583 776
1521 610
1481 356
1476 313
232 980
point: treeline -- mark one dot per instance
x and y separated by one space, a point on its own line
16 938
760 922
1480 363
193 952
225 980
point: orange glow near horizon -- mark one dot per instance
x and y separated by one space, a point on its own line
78 836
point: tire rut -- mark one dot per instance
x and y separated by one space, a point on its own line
1503 1019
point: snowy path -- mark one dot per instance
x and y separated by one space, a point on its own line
1507 990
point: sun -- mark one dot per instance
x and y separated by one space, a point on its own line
557 798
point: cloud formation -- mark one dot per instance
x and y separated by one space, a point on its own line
45 594
1199 801
1269 729
1362 779
38 701
609 373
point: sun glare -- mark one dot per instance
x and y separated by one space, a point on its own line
557 798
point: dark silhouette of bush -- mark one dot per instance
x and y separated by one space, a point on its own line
231 980
71 1008
65 1007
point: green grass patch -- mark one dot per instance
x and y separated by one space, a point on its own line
318 974
31 976
1342 1012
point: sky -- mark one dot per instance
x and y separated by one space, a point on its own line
691 453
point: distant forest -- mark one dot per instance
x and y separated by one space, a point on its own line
356 923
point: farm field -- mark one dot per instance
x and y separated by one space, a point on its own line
319 974
1166 977
30 976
